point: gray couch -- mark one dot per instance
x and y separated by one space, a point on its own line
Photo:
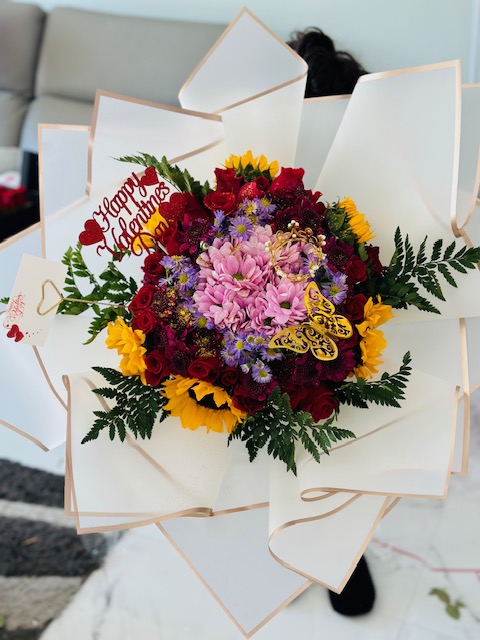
51 65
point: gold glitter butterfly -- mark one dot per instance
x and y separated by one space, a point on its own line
320 331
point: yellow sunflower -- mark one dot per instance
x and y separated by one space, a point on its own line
371 347
260 163
128 343
358 224
373 341
180 403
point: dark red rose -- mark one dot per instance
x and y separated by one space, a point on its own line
374 260
144 320
245 402
353 307
356 270
296 393
204 368
320 402
227 181
289 179
158 366
143 298
172 239
251 396
220 200
153 379
229 376
153 268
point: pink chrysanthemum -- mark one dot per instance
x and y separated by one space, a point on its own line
285 303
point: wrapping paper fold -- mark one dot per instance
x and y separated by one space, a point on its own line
273 533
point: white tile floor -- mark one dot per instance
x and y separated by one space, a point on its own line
146 591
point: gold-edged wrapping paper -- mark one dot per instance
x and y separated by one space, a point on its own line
404 147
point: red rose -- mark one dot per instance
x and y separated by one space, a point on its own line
172 239
143 298
289 179
245 402
145 321
204 368
296 393
229 376
374 260
354 306
227 181
250 396
153 267
153 379
220 200
356 270
157 364
320 402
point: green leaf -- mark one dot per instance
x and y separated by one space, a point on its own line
441 594
388 391
278 427
111 288
181 178
399 283
137 407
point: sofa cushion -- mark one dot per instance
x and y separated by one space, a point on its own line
12 112
147 58
52 110
20 31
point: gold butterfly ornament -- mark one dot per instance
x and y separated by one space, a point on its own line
319 333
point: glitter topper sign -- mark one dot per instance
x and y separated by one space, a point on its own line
117 225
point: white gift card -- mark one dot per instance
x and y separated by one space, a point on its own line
34 299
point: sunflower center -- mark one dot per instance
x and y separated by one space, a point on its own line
207 401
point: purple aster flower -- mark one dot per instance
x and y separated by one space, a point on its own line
336 289
261 372
186 277
265 210
235 351
218 220
240 227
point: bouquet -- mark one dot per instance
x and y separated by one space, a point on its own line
258 312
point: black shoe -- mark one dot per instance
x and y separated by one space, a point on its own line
358 595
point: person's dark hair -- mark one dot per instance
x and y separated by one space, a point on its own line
330 72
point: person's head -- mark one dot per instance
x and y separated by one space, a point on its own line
330 72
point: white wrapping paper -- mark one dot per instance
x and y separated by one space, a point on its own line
394 148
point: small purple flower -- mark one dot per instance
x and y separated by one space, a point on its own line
236 350
265 210
218 220
261 372
336 289
186 277
240 228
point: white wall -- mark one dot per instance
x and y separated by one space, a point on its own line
383 34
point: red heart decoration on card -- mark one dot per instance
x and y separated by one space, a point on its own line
91 234
15 333
150 177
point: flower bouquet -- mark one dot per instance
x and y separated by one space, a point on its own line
248 316
258 312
